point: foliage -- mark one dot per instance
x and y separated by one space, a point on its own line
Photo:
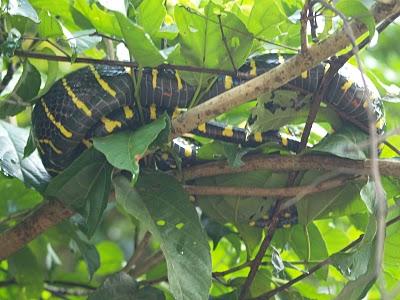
86 254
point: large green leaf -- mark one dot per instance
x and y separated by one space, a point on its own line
264 19
30 170
49 26
124 150
202 43
163 208
308 243
84 186
348 142
150 15
140 45
104 22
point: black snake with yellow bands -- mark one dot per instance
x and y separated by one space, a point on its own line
99 100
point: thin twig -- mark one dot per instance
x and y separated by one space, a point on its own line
153 281
303 28
147 264
226 44
85 60
138 253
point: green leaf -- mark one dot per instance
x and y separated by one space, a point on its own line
84 186
357 10
309 244
104 22
140 45
124 150
30 170
22 8
28 272
201 40
24 91
49 26
359 265
150 15
264 19
345 143
236 210
87 250
163 208
368 195
111 257
314 206
119 286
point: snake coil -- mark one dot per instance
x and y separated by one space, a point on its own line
99 100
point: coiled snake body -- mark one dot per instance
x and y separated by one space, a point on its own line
99 100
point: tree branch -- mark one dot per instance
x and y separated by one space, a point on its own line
278 163
47 215
286 192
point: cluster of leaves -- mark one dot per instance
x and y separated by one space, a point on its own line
100 238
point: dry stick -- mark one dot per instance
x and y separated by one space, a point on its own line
277 163
287 192
276 77
318 266
138 253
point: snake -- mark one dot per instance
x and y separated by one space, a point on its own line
98 100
